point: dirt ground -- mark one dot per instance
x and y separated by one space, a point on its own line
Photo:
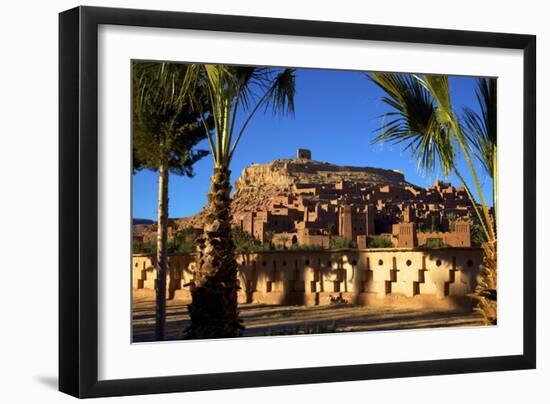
263 320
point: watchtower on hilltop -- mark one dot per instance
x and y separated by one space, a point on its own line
303 154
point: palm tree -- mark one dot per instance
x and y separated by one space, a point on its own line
438 87
230 90
451 219
165 132
423 118
284 240
481 130
268 237
330 232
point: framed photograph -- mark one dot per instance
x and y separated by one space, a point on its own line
251 202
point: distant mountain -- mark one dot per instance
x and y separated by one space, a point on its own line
142 221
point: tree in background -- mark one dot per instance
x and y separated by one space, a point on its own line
185 239
342 242
433 227
330 232
245 242
166 129
451 219
424 120
284 240
268 238
432 243
231 90
380 242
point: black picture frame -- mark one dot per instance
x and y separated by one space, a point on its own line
78 201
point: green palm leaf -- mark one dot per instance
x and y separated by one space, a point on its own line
238 88
481 129
413 122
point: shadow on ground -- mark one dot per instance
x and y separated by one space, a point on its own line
263 320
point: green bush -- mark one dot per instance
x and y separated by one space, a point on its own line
144 248
342 242
477 235
184 241
435 243
380 242
245 242
306 247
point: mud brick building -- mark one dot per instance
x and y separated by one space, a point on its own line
438 278
306 202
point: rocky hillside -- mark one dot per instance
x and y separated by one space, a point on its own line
259 184
287 173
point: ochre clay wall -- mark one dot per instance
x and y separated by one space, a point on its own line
439 278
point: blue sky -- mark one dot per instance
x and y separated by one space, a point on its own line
336 115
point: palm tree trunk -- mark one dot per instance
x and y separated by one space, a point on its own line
213 309
486 289
473 201
485 292
162 258
488 221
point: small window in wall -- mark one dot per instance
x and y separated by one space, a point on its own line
470 263
307 262
380 262
354 262
329 263
409 263
438 263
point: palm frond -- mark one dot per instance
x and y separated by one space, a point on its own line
231 89
481 128
438 87
282 92
413 122
165 125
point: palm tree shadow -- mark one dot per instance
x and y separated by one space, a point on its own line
51 382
